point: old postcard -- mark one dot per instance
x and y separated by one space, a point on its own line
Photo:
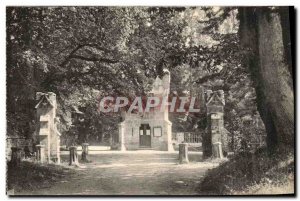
150 101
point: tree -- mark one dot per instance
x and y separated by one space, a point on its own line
263 46
85 53
213 57
77 50
63 50
265 39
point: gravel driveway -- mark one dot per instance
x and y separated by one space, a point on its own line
131 173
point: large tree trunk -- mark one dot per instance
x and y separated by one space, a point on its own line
268 57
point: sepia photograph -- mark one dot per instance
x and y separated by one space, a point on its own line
150 100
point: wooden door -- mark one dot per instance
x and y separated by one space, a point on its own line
145 135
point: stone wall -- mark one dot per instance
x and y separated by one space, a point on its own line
132 137
20 142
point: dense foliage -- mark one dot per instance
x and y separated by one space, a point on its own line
85 53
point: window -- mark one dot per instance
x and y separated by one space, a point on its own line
145 128
157 131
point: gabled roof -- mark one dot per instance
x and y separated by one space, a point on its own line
44 98
215 99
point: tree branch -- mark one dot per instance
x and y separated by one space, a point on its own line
73 56
210 76
206 78
92 59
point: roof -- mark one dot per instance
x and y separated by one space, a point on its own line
215 99
44 98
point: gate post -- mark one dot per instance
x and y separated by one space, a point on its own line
183 153
122 136
73 155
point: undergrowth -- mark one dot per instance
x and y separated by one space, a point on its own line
29 176
251 173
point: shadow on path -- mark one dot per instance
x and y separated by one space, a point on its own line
131 174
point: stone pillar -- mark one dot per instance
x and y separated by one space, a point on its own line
183 153
168 126
212 141
40 153
85 152
216 135
122 137
15 155
217 150
73 155
46 127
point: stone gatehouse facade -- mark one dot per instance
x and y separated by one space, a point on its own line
153 130
148 130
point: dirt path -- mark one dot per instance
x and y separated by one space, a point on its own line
131 174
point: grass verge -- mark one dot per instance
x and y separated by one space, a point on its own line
248 173
28 176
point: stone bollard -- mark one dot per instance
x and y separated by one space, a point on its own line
217 150
85 152
15 155
183 153
73 155
40 153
